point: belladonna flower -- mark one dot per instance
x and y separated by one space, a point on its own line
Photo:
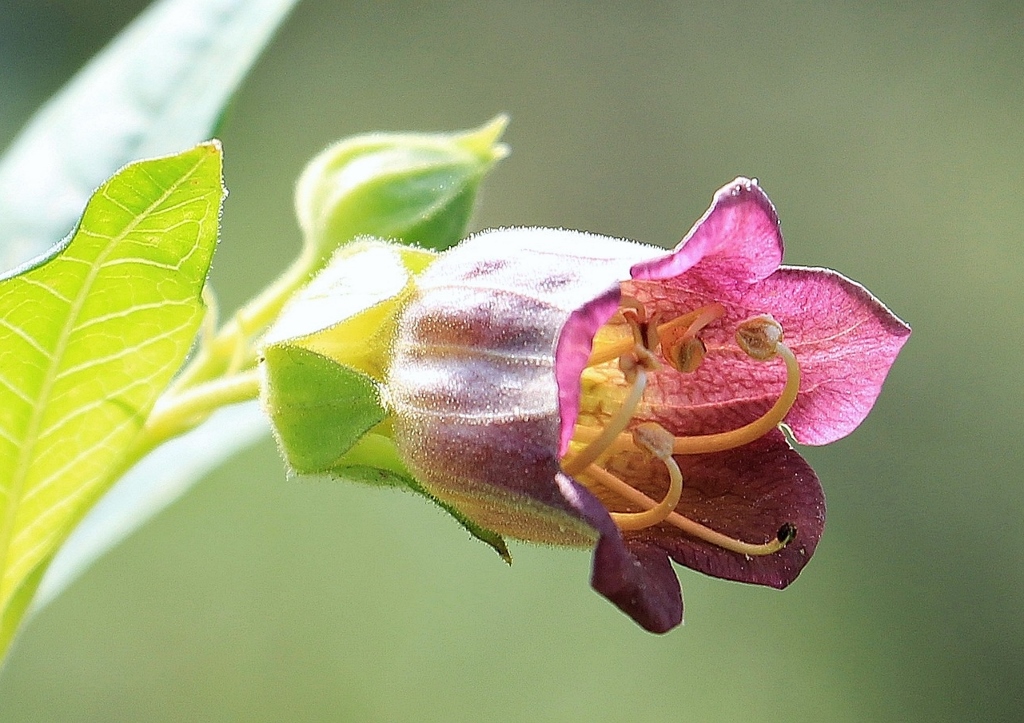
572 389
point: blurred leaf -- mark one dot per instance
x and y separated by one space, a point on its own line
89 338
150 486
158 88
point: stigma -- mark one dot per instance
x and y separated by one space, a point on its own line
624 461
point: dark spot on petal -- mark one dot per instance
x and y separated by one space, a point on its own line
787 533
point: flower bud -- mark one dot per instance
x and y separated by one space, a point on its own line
415 187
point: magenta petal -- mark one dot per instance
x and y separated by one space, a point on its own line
747 493
737 239
484 386
845 339
638 579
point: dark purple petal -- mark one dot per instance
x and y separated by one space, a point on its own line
639 579
747 493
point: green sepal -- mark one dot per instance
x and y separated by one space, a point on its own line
319 408
348 312
322 365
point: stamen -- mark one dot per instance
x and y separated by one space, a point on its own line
576 463
786 534
632 303
771 419
683 349
760 338
687 356
654 439
721 441
692 322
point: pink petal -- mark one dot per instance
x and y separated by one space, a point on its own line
736 240
747 493
844 339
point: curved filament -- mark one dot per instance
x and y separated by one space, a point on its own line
787 533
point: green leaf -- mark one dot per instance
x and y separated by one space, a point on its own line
89 338
150 486
158 88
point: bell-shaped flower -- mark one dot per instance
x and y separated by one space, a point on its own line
572 389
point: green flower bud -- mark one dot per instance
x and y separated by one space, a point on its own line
416 188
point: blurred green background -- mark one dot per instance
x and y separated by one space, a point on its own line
890 139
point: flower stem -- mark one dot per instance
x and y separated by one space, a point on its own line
179 413
223 371
232 348
176 414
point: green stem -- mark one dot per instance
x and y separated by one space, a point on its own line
223 371
231 349
176 414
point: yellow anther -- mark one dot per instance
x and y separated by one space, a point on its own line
721 441
771 419
576 463
630 303
653 439
690 324
759 337
657 441
686 356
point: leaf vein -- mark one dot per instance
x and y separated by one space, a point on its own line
105 318
27 338
42 484
16 391
47 288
